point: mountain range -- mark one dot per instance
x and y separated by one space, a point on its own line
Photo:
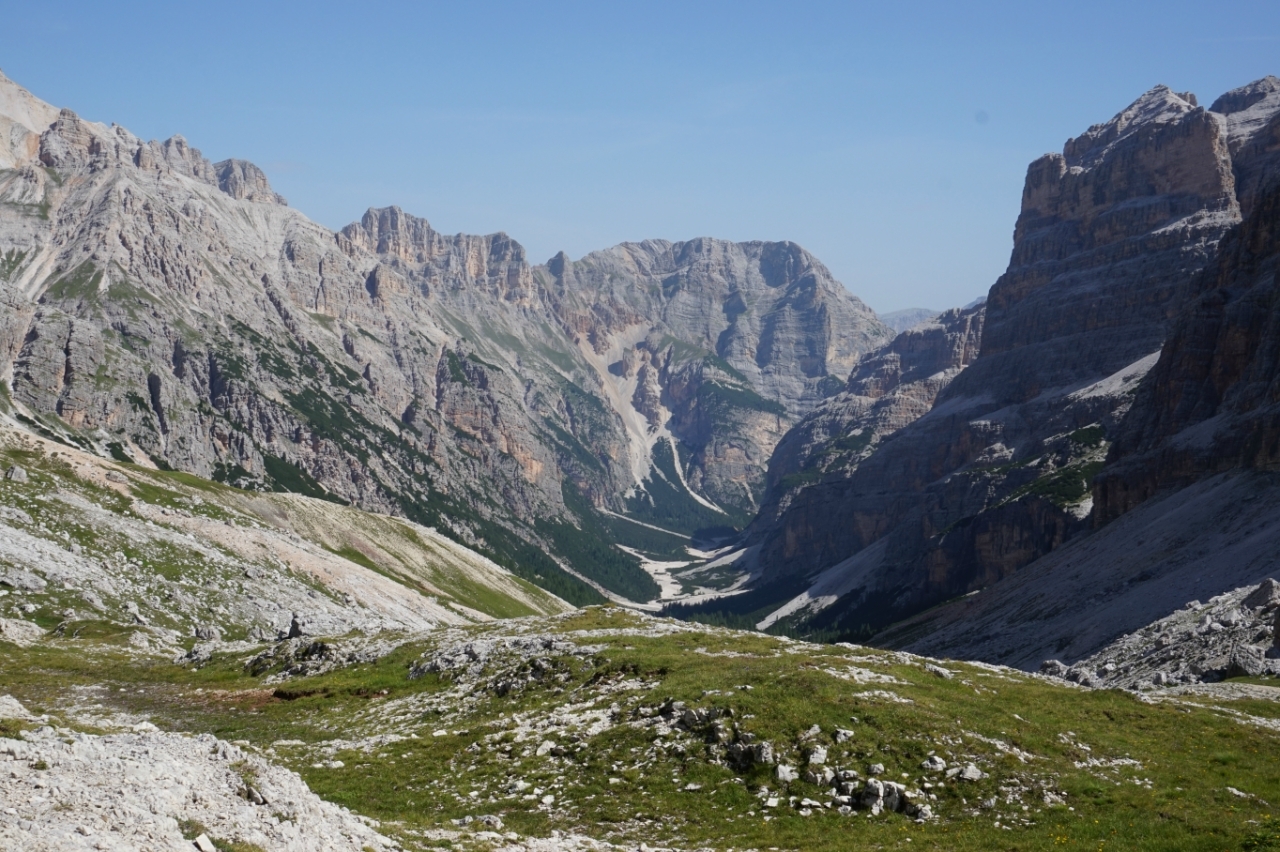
718 427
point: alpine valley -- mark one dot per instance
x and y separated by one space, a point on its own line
387 539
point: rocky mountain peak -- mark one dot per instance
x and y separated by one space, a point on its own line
391 231
32 131
1245 97
21 107
1157 171
495 262
1251 117
1159 105
23 117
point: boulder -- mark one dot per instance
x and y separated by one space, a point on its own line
208 632
1054 668
763 754
23 581
16 474
822 776
1266 596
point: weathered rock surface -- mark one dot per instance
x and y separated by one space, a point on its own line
1112 234
887 389
1219 533
1252 116
1212 402
225 568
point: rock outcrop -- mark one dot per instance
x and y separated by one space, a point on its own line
1232 635
1212 402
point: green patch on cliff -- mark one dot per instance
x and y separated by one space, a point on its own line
80 284
719 399
800 478
1089 436
286 476
10 261
1068 486
456 374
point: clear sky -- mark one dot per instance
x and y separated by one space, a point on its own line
889 138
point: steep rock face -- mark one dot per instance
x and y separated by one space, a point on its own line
1109 230
718 344
1112 234
243 180
23 117
1252 120
1212 402
887 389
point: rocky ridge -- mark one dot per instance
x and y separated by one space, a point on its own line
183 571
1185 498
718 345
887 389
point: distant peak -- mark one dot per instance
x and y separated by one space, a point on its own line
557 264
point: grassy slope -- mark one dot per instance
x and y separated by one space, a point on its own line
1175 797
411 555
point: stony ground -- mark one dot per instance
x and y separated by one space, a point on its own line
61 789
173 558
1232 635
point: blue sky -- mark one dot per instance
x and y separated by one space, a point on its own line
890 139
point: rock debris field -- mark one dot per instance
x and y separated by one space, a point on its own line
148 790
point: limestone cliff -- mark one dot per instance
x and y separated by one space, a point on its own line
1112 234
1211 404
887 389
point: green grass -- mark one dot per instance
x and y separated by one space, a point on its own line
1189 754
590 549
